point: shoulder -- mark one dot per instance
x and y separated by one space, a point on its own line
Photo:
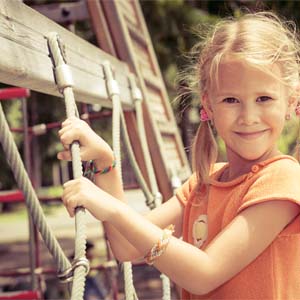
183 193
279 168
191 186
276 179
281 160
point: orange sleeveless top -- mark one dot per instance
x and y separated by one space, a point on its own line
275 273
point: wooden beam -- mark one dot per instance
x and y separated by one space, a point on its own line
100 27
133 45
63 13
25 60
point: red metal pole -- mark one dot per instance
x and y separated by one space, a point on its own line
11 93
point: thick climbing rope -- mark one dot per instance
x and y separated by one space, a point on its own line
114 94
166 287
137 97
16 164
32 230
150 201
64 82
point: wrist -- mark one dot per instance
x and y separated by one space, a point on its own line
104 161
114 209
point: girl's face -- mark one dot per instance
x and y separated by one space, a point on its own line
248 108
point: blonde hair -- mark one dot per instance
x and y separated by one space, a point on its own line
258 38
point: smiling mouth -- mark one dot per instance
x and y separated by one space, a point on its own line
251 135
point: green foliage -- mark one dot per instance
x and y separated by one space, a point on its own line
287 141
172 25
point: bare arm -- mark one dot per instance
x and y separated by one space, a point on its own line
95 148
169 213
248 235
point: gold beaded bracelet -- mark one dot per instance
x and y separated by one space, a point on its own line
160 246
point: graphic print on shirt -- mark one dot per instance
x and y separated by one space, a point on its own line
200 230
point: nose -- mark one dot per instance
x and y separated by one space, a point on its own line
249 114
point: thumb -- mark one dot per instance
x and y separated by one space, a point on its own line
64 155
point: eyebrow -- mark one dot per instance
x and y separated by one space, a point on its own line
232 94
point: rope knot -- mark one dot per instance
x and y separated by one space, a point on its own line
135 91
111 84
62 72
67 275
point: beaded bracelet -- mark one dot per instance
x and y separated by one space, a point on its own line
91 170
160 246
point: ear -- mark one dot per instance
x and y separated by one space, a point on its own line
294 99
207 106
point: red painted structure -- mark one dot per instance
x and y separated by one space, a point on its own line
11 93
24 295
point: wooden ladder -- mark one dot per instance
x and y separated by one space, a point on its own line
120 30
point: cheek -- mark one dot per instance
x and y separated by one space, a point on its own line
222 128
222 122
277 121
278 114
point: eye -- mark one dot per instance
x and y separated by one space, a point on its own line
264 98
230 100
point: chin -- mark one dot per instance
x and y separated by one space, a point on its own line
255 156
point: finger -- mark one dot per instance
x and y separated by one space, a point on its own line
64 155
70 204
64 129
67 193
69 183
69 136
74 185
68 121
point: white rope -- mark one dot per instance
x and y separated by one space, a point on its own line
137 97
63 76
114 94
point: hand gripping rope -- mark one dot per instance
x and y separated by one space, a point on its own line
64 81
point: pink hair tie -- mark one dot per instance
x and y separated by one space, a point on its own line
203 115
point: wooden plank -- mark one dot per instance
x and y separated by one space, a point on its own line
100 27
25 59
124 47
185 168
143 59
104 40
63 13
157 106
164 128
130 15
135 47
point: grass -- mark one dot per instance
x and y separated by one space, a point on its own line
19 214
18 211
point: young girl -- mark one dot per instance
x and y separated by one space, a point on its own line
239 220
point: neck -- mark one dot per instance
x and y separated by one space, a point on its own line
238 165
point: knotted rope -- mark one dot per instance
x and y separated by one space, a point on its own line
64 82
114 94
137 97
16 164
150 201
